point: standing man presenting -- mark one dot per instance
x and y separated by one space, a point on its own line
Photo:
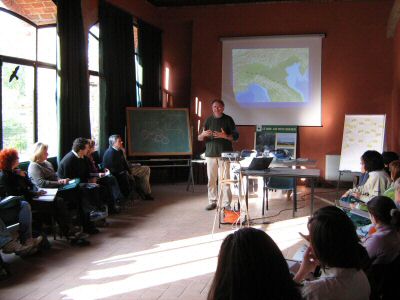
219 132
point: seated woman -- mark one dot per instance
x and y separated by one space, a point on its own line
251 266
394 168
15 182
105 179
41 171
377 182
42 174
383 246
335 247
388 157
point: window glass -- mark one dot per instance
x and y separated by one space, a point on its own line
95 30
47 110
135 38
138 68
47 41
17 106
17 38
93 48
94 107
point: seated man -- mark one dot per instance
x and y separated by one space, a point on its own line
73 165
114 159
106 180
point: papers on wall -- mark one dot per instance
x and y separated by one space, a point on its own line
360 133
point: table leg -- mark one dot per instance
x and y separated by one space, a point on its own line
263 199
190 178
294 196
247 191
312 197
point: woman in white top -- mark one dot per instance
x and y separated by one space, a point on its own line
335 248
378 181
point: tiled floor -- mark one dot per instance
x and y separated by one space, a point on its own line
160 249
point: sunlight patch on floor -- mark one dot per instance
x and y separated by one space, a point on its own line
167 262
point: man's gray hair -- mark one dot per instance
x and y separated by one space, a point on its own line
113 138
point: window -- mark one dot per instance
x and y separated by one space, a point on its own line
93 48
17 37
47 109
94 89
138 67
28 87
17 107
47 51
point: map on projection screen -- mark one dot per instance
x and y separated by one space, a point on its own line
264 77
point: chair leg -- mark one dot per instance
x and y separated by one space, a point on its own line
54 228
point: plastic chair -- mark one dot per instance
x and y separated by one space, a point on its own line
276 183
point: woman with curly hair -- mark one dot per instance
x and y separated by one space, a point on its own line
9 178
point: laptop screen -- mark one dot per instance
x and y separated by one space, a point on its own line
260 163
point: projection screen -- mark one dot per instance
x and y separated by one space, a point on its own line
272 80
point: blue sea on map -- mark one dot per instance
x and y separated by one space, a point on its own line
298 81
253 94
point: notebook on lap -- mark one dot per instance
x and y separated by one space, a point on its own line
259 164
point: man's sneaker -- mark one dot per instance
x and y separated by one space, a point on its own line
16 247
34 242
76 235
211 206
97 215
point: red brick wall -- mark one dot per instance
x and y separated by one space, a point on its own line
39 12
357 59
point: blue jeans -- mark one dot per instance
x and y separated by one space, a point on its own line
25 221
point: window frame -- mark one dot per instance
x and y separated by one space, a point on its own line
26 62
95 74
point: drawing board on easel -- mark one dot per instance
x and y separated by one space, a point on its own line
360 133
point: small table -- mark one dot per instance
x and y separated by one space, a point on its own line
285 172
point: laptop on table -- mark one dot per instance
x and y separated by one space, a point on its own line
258 164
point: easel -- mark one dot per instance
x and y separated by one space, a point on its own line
341 172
